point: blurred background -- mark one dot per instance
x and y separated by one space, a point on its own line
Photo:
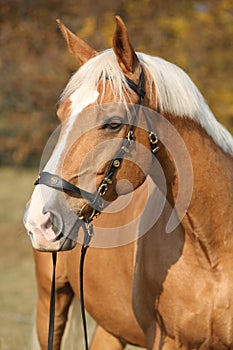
35 67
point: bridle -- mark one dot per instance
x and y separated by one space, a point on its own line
95 200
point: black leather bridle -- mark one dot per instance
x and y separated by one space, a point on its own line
94 200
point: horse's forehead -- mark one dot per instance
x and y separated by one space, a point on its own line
73 106
104 93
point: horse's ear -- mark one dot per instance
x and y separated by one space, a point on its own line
123 49
81 50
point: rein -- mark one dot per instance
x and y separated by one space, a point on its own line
95 201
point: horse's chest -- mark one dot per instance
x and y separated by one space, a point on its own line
108 288
197 309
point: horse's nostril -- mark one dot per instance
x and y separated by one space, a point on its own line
53 222
48 224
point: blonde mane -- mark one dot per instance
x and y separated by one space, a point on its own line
175 92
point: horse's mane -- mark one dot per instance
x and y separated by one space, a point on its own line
176 93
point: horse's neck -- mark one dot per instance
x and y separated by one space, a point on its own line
208 220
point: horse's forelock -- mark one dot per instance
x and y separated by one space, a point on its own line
103 67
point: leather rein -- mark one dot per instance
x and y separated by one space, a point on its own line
94 200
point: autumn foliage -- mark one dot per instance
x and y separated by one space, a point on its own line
35 64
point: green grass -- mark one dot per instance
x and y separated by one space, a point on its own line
17 281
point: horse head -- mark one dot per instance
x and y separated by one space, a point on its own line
103 149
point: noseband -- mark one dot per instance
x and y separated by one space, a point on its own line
95 200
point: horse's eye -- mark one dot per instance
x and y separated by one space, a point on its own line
113 124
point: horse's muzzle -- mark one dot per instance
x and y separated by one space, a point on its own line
51 223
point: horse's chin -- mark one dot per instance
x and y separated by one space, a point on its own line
41 244
68 244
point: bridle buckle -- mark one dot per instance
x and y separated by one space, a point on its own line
130 136
153 138
102 189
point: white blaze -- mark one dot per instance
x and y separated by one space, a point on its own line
77 105
35 219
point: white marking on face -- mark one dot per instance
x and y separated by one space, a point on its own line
35 219
77 105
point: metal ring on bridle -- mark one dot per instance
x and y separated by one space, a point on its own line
93 214
102 189
130 135
80 214
153 138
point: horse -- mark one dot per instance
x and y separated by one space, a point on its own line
139 146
